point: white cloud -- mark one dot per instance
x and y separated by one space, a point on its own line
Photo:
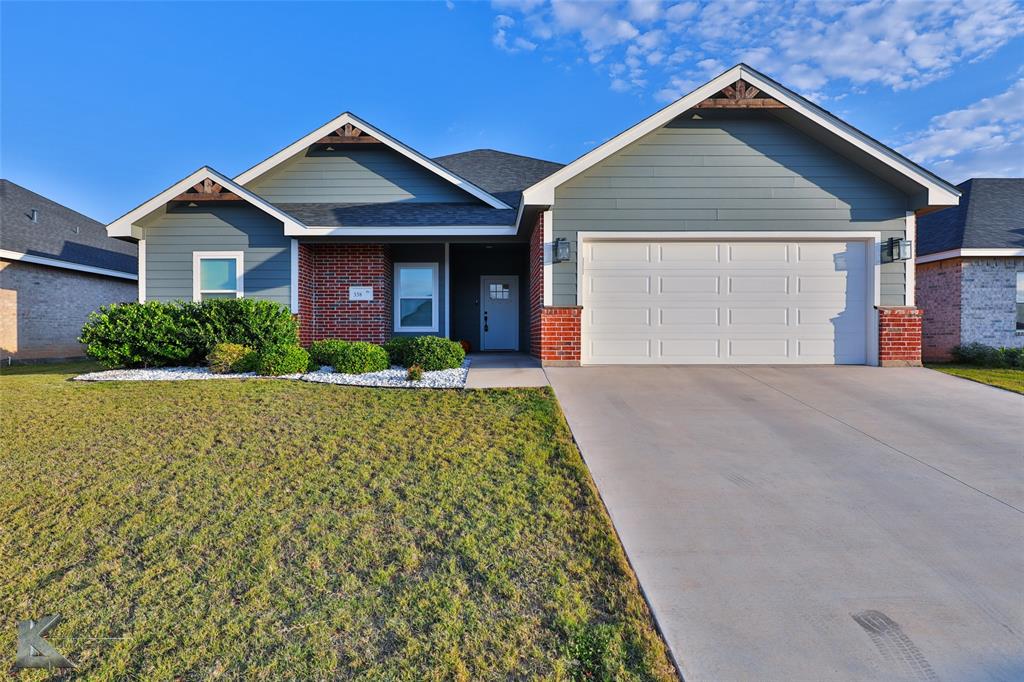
985 139
449 4
825 48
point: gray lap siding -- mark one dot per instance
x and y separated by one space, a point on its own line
171 238
745 174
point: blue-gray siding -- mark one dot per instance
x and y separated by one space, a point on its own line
753 173
354 176
172 237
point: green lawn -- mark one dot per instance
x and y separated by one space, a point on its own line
1009 379
284 530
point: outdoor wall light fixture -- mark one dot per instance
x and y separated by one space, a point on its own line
896 250
560 251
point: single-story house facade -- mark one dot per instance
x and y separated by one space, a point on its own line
740 224
56 267
970 269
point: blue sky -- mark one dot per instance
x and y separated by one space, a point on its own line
105 104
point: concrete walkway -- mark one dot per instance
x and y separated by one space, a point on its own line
504 370
819 523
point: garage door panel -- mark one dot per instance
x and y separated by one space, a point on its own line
693 318
691 253
707 284
759 317
725 302
759 285
691 351
607 317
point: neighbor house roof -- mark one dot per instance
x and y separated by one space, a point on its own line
58 234
350 119
989 219
502 174
925 188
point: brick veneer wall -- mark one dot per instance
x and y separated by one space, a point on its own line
938 295
989 294
326 271
899 336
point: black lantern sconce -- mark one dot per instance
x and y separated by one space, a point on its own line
560 251
894 250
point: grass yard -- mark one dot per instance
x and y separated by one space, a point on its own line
1009 379
284 530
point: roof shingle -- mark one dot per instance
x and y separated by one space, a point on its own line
988 217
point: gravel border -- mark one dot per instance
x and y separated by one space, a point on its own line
388 378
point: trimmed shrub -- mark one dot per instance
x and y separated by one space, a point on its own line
156 334
148 334
397 347
250 322
986 356
278 360
324 351
229 357
433 353
348 357
415 373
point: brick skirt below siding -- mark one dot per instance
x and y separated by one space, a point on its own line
326 272
560 335
899 336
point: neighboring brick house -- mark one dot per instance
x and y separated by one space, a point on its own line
740 224
56 266
970 269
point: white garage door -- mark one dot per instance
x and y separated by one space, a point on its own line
729 302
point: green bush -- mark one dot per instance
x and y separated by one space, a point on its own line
229 357
986 356
155 334
348 357
148 334
397 347
278 360
415 373
432 353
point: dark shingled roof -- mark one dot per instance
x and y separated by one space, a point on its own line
59 232
398 214
988 217
502 174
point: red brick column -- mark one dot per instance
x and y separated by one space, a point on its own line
560 335
899 336
326 271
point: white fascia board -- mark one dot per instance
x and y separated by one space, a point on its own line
405 231
940 193
125 225
970 253
302 143
734 235
66 265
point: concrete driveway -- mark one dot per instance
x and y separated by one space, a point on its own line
815 523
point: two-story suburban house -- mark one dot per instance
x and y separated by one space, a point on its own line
740 224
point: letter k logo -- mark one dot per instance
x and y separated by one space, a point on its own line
33 650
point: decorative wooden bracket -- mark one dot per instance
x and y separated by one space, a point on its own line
740 95
207 190
348 134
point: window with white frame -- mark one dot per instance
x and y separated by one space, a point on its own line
1020 301
216 274
416 297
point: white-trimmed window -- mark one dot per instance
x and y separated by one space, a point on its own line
416 297
216 274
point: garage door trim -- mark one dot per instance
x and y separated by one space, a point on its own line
871 239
